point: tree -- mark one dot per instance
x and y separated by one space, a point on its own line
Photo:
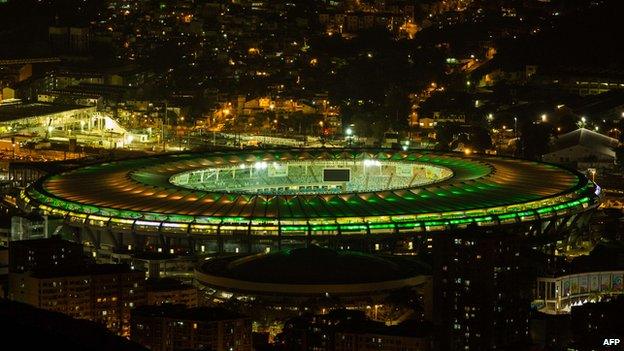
619 157
535 140
480 138
445 134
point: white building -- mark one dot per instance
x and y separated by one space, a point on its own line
583 149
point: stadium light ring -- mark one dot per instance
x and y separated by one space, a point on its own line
137 195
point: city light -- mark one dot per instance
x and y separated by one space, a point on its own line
370 163
330 174
261 165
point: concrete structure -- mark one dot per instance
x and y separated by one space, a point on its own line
63 122
101 293
348 330
559 294
44 254
250 200
174 327
482 291
279 285
170 291
583 149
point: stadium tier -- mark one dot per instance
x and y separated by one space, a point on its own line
280 193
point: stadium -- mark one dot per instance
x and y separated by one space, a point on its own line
316 279
364 199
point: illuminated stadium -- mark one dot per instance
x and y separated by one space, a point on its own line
252 200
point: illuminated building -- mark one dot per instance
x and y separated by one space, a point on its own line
582 149
175 327
101 293
41 115
482 289
248 201
587 278
560 294
474 214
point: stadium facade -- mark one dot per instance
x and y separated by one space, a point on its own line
364 199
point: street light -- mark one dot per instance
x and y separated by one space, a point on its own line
592 171
544 117
349 136
583 122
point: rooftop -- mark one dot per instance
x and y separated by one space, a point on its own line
203 314
316 265
14 112
480 186
54 241
93 269
587 138
166 284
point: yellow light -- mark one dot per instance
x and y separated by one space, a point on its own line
467 151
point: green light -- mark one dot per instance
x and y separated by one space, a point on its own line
353 227
474 199
294 228
324 228
382 226
434 224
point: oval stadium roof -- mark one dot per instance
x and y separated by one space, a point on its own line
138 193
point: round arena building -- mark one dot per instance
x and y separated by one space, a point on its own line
255 200
313 279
